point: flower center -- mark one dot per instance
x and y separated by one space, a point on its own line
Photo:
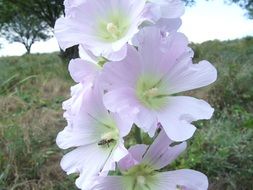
141 180
109 138
142 175
151 92
110 135
113 27
142 170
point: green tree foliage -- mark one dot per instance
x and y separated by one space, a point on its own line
17 25
47 11
245 4
25 30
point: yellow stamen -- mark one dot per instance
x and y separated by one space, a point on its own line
151 92
141 180
112 28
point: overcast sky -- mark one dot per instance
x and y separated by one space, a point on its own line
207 20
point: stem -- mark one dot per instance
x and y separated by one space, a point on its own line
137 134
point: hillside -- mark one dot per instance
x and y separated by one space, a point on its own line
32 88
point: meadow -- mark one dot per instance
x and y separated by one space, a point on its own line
32 88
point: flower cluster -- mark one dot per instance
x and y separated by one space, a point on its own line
133 65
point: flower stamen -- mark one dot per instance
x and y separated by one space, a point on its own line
112 28
151 92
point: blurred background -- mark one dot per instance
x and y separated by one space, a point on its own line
34 81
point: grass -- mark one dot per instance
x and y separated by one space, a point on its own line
33 87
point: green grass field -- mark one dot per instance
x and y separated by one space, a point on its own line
33 87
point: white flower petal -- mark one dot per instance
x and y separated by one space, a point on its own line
134 157
122 101
170 155
83 71
84 24
116 74
87 159
124 124
160 154
119 152
185 178
146 119
65 26
187 76
87 55
74 137
113 183
180 112
170 8
168 25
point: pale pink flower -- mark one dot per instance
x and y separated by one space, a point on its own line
159 9
142 86
96 135
101 26
140 170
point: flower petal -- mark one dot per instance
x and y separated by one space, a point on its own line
85 23
68 33
117 74
124 124
158 61
116 55
122 101
74 137
146 119
134 157
119 152
82 159
113 183
187 76
170 8
180 112
170 155
83 71
160 153
168 25
185 178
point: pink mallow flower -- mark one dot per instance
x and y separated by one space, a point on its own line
96 135
169 8
142 86
140 167
101 26
160 9
84 73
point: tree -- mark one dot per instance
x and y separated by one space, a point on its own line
47 11
24 29
245 4
18 25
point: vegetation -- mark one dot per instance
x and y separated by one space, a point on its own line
33 21
44 10
245 4
22 26
32 88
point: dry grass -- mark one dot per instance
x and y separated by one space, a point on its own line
30 118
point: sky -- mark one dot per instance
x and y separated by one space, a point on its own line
206 20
